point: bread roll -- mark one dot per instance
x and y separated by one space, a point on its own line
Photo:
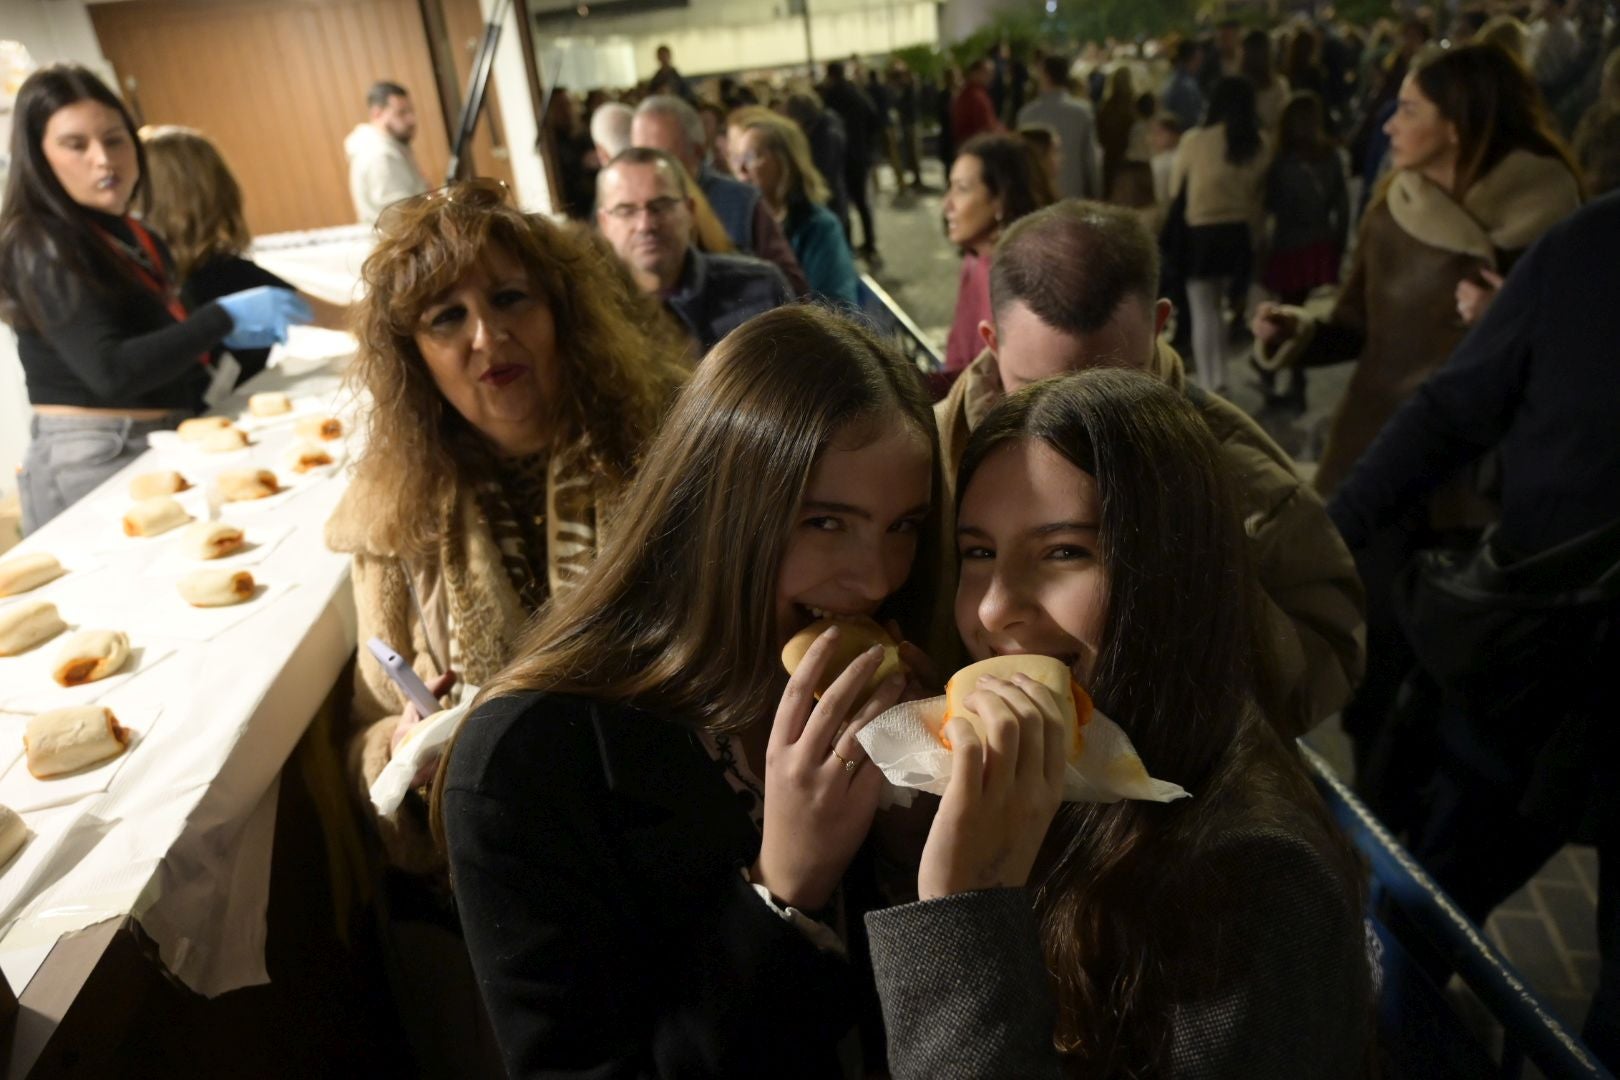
320 427
151 484
13 834
216 587
271 403
199 428
1049 672
149 517
225 440
90 655
307 456
243 485
27 623
211 539
26 572
64 740
855 636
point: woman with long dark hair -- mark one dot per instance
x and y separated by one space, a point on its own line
109 351
993 183
1221 166
1216 936
1478 175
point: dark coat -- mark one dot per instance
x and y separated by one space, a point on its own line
596 853
718 293
965 992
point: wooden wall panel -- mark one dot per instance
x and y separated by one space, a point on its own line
277 84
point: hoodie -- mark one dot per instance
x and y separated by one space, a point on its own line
381 171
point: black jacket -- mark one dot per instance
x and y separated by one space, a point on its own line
1536 379
595 852
718 293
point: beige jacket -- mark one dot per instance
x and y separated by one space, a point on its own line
464 589
1218 192
1314 603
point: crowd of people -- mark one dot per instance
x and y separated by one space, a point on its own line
615 463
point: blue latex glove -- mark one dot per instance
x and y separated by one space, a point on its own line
260 317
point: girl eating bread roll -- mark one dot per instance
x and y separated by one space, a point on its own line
1215 936
647 820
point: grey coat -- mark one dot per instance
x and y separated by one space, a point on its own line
965 992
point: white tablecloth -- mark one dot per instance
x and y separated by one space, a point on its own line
181 837
323 263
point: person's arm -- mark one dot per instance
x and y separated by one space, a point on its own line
95 345
772 246
1462 411
575 980
964 987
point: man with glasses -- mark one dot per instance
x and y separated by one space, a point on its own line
645 214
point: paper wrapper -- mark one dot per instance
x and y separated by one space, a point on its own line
425 743
902 743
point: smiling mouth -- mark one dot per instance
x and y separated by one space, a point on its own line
1070 660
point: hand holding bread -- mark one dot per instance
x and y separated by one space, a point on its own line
1011 740
819 801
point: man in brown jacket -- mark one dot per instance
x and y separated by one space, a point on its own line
1075 286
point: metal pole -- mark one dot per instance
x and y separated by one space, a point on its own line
809 50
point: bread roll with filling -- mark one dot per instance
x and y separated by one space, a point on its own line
270 403
25 572
225 440
855 636
199 428
244 485
90 655
152 484
13 834
211 539
27 623
66 740
320 427
307 456
1049 672
216 587
159 514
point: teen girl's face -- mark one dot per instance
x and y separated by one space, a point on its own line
1032 578
92 154
855 535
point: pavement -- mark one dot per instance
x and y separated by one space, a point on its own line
1548 929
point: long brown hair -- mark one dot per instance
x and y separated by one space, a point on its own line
617 367
1180 667
1494 104
193 201
678 612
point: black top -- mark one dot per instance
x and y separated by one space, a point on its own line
221 276
118 349
1536 379
596 854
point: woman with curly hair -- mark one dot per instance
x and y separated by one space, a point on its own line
514 375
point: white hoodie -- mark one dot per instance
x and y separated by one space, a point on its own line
381 171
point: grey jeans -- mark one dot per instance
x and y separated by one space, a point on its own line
70 456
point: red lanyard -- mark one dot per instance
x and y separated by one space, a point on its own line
154 279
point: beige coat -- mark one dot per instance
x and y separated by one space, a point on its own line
464 588
1315 608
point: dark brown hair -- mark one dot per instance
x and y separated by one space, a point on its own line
195 203
1125 938
1494 104
1073 263
616 363
1300 131
678 612
1008 171
48 246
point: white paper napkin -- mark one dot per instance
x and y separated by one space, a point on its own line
901 742
23 793
425 743
26 684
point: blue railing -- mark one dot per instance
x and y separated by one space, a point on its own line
889 319
1422 1035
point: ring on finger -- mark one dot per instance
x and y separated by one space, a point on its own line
850 765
